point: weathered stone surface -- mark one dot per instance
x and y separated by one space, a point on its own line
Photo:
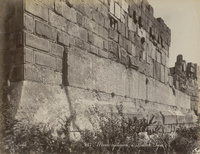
90 75
45 60
104 58
32 73
117 11
56 49
67 12
45 30
37 9
28 23
59 65
90 25
29 55
123 56
103 32
47 105
63 38
162 73
98 41
36 42
52 77
58 21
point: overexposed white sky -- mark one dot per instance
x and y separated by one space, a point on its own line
183 18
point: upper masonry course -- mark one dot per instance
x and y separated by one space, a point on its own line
62 56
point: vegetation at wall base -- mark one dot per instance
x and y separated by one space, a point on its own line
187 140
112 134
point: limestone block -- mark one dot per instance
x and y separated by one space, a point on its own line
45 105
59 65
158 56
162 73
91 72
113 47
163 60
179 59
37 9
182 100
90 25
112 6
63 38
83 35
36 42
98 41
28 23
52 77
102 53
169 117
180 119
166 75
73 29
79 18
125 6
158 71
142 87
123 16
103 32
66 11
153 52
29 55
151 67
188 118
142 67
78 43
123 56
45 60
57 21
131 24
33 73
94 50
56 49
98 17
103 9
133 63
117 11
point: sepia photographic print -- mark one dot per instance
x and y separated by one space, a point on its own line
99 76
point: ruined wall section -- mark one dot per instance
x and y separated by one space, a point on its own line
184 77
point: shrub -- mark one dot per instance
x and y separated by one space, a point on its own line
20 138
186 140
117 132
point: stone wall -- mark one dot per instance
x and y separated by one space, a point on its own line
75 54
185 79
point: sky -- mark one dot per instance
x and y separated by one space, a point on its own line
183 18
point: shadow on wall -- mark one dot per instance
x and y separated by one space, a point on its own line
3 31
8 45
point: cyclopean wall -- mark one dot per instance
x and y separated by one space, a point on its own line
185 78
75 54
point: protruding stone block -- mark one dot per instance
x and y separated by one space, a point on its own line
179 59
117 11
